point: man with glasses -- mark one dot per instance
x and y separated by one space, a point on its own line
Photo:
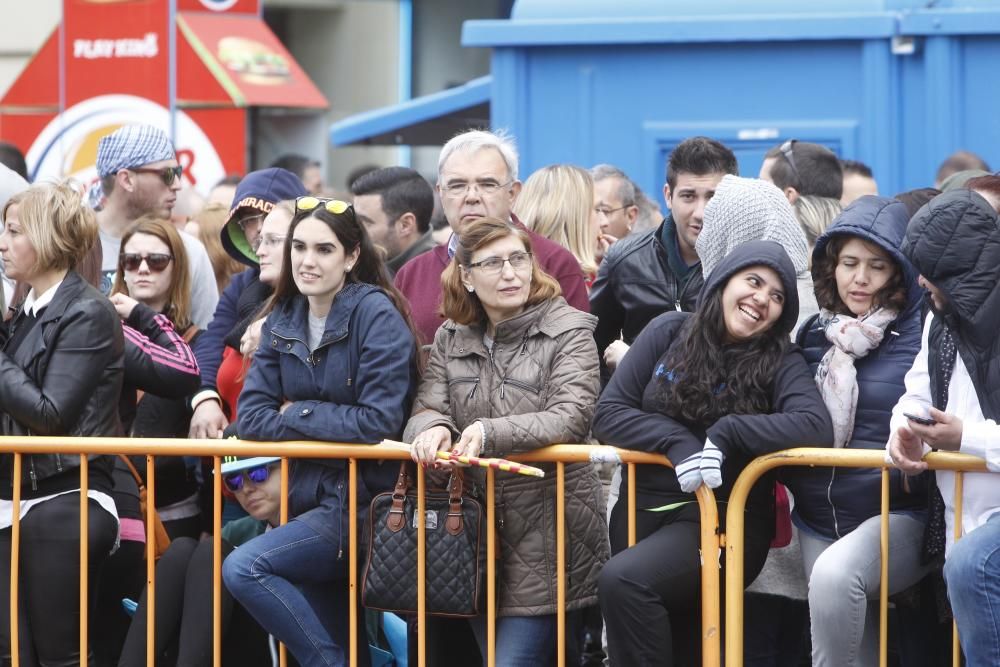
255 196
615 200
800 168
477 178
139 175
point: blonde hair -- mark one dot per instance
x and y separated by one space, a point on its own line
211 220
59 225
178 307
815 214
557 202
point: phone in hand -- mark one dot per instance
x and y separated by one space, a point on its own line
925 421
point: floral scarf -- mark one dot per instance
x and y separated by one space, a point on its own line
836 377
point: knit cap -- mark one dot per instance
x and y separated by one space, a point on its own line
132 146
749 209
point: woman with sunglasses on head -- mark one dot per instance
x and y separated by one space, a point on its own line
336 362
61 370
711 390
514 368
184 582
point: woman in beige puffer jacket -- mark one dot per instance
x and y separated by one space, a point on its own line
514 369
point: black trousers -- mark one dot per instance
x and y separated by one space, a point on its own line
49 580
184 615
651 593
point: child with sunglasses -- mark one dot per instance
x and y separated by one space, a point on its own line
184 582
336 362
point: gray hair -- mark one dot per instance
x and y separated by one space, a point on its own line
627 190
476 140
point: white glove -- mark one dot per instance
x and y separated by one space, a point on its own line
711 465
689 473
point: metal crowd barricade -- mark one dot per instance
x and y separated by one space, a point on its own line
811 456
217 449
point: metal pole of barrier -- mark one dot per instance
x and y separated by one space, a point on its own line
282 649
217 562
150 562
711 557
805 456
491 570
15 558
561 564
883 595
956 648
84 553
352 560
632 509
421 572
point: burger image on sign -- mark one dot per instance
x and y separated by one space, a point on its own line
254 62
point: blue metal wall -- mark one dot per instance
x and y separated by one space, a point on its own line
623 82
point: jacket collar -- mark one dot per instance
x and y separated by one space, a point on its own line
291 321
69 289
422 245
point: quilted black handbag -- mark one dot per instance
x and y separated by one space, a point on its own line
456 550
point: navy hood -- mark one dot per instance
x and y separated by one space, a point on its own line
954 242
753 253
259 190
880 221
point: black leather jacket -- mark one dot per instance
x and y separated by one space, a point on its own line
635 285
65 376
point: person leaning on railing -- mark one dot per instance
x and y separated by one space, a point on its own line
61 372
860 347
954 243
515 368
711 390
336 362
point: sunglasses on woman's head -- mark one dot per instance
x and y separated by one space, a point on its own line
155 261
309 202
257 475
167 174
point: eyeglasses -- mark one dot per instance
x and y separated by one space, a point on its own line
257 475
494 265
156 261
167 174
606 212
488 187
787 149
251 220
268 241
309 202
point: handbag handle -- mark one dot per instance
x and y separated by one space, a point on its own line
396 519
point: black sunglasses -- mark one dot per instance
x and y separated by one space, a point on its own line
167 174
257 475
155 261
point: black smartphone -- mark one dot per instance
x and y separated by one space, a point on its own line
926 421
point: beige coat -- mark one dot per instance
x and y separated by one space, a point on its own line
539 387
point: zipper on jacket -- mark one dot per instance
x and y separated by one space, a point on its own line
523 385
340 538
833 508
31 474
501 508
474 381
59 467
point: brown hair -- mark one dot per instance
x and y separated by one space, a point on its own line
210 221
60 226
178 307
463 306
892 295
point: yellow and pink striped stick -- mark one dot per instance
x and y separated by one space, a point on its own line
496 464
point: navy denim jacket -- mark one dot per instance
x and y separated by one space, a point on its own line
355 387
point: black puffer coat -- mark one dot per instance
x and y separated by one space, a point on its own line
954 242
834 501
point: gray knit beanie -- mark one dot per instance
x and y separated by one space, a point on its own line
749 209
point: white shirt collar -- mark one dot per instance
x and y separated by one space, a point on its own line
34 304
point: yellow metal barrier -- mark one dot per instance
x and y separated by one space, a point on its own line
806 456
216 449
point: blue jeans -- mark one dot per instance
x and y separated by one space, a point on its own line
522 641
292 583
972 572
